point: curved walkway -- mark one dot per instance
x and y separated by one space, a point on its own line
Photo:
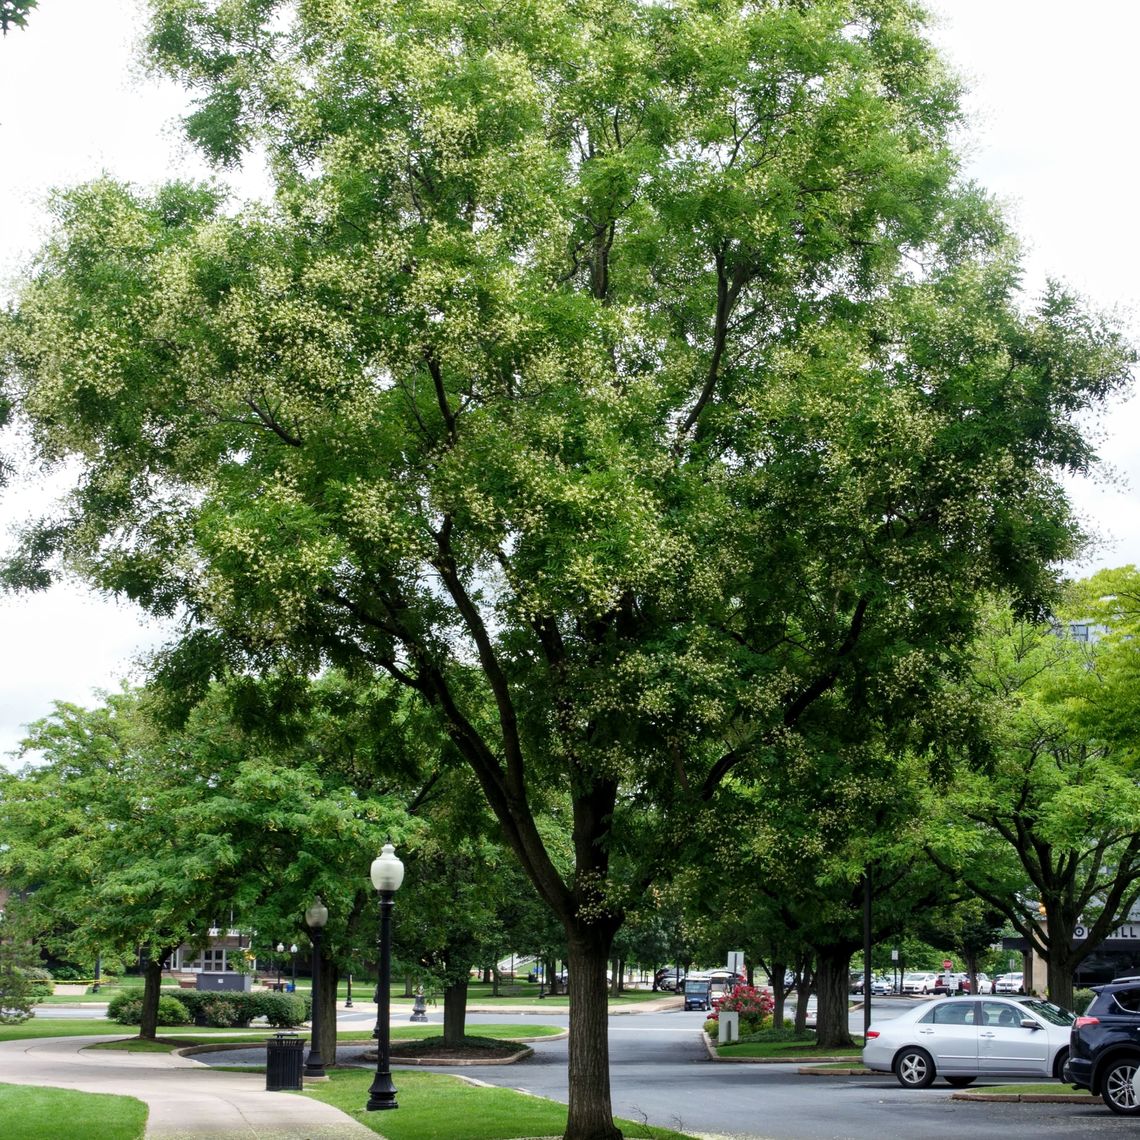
186 1099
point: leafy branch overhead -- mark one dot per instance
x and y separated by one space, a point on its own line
14 14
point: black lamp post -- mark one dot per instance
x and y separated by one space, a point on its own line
387 875
293 951
316 917
280 951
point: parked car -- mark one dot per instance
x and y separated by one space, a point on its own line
879 985
985 984
1009 983
963 1038
1105 1046
670 978
918 983
949 984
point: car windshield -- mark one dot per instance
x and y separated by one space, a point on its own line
1049 1012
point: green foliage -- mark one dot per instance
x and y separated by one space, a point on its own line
221 1010
18 985
1081 1000
635 384
14 14
1039 809
126 1008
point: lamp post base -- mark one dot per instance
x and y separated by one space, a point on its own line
382 1094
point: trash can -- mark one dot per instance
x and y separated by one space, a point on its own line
284 1060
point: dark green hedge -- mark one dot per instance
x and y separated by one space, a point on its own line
281 1010
217 1010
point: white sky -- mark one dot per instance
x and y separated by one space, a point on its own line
1053 103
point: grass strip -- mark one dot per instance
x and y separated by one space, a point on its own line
437 1107
175 1040
1048 1088
32 1113
63 1027
801 1049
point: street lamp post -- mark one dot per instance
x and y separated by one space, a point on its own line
280 951
293 951
316 917
387 875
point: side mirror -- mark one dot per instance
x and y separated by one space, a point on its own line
1029 1023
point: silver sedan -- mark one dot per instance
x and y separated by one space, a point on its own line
963 1038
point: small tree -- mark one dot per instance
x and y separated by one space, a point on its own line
17 986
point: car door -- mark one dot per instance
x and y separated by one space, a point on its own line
947 1031
1005 1045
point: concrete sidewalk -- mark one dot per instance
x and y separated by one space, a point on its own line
187 1101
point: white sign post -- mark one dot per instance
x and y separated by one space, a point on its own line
736 962
729 1022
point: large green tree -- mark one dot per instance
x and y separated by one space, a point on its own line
630 381
126 834
1034 812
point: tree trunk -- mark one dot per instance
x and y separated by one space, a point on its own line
455 1013
832 983
486 975
496 976
330 977
591 1115
409 991
152 986
1059 972
802 995
615 978
779 991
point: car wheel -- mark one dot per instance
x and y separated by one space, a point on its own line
1116 1087
914 1069
960 1082
1061 1066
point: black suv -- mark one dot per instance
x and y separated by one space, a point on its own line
1104 1046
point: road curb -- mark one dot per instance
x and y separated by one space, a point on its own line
1029 1098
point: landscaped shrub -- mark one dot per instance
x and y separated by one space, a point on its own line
219 1013
68 974
226 1009
126 1009
1081 999
283 1011
40 982
753 1005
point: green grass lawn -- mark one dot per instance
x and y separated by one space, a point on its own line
1046 1088
794 1049
29 1113
64 1027
435 1107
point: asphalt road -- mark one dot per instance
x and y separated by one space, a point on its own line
660 1073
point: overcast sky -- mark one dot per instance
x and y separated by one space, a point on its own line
1052 104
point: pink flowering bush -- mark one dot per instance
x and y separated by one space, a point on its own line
754 1006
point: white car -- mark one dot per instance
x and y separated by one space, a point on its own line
963 1038
918 983
1009 983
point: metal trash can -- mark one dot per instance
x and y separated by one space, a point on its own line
284 1061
